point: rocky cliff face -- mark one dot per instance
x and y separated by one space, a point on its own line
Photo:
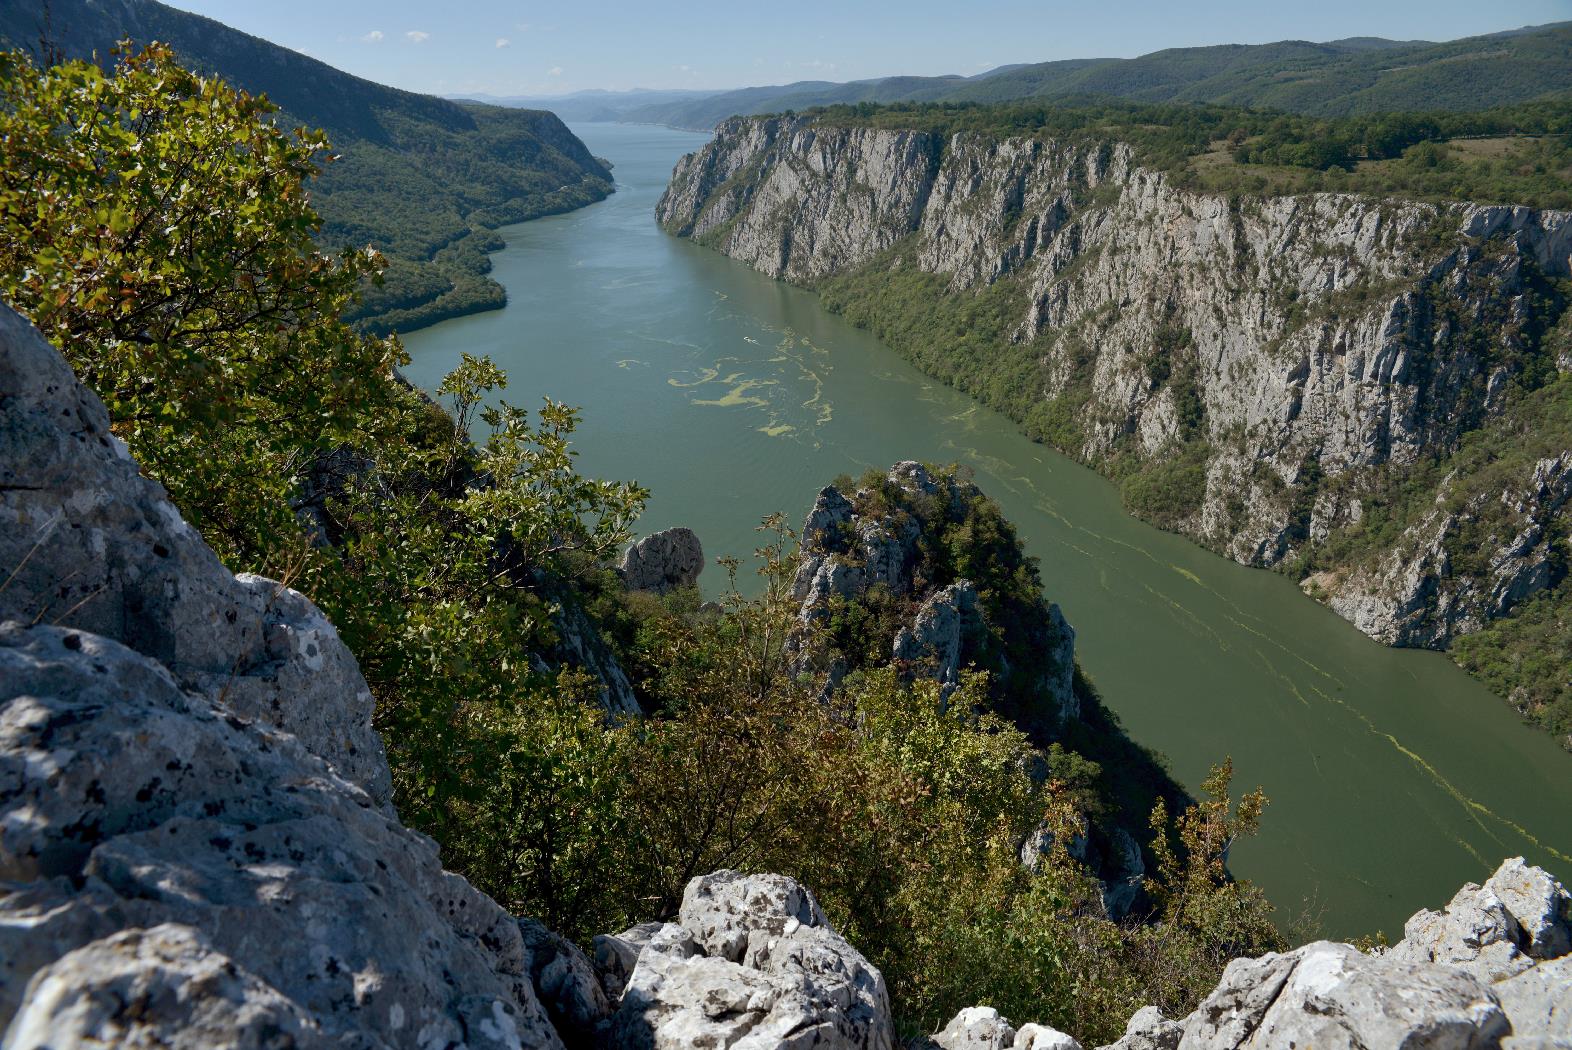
882 549
1275 368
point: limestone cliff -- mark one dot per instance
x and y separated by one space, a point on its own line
1280 378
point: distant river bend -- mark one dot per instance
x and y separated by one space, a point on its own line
1393 777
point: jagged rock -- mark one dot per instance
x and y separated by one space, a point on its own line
751 963
1331 995
663 561
195 845
1412 597
1177 295
983 1028
1125 876
579 644
99 547
1496 930
1541 906
1462 979
159 807
825 525
567 985
846 552
1041 1037
1538 1002
163 987
617 954
1148 1029
976 1028
933 641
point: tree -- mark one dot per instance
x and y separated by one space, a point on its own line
155 226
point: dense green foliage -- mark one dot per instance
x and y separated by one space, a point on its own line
185 289
451 546
424 180
1360 75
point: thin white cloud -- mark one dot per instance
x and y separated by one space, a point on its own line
373 37
522 27
417 36
503 41
554 71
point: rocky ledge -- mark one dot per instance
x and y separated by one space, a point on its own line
1492 969
879 544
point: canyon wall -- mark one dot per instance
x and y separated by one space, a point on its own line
1265 373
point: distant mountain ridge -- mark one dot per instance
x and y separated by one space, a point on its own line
1335 78
596 104
425 179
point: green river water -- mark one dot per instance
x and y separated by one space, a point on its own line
1393 777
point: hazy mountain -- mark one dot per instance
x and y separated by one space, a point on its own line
1354 75
595 104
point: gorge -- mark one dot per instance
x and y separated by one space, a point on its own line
1393 777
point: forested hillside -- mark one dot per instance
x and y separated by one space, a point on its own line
425 180
1358 75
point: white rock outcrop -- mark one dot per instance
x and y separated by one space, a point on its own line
663 561
90 543
1493 969
984 1028
751 963
846 552
196 842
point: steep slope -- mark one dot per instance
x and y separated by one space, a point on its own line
1369 394
424 179
1358 75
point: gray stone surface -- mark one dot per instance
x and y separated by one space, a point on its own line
976 1028
161 987
616 954
127 802
663 561
90 543
1520 915
751 964
1148 1029
932 644
1538 1002
1041 1037
1331 996
567 985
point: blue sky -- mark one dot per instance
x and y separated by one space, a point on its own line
509 47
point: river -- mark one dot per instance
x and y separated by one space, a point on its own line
1393 777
